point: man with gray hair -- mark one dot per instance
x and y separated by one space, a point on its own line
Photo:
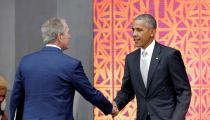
156 75
46 80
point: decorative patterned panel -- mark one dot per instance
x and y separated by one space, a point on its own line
103 42
182 24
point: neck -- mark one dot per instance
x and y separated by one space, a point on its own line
148 43
56 43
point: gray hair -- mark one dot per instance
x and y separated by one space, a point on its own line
51 28
149 19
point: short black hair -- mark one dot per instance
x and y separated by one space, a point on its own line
148 18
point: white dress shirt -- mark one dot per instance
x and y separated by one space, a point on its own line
149 51
52 45
145 61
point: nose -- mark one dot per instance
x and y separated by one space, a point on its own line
134 33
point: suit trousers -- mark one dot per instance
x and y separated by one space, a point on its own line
148 117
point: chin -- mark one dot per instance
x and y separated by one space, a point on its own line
137 46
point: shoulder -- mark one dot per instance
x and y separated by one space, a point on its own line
169 53
29 56
133 53
166 50
53 57
70 58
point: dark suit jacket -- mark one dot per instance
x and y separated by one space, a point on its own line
168 92
45 85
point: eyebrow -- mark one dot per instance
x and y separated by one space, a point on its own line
136 28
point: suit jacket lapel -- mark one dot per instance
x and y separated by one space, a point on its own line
154 63
136 66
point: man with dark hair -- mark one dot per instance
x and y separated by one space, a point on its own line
156 75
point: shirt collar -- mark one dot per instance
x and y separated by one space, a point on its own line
53 45
149 49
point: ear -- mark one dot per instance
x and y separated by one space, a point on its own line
153 32
59 37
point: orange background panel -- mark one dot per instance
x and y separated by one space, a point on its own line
182 24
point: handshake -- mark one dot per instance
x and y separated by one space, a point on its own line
115 110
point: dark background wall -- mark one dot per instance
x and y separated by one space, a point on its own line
20 34
7 41
7 38
78 14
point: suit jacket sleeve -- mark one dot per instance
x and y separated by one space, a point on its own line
17 97
126 94
84 87
181 85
